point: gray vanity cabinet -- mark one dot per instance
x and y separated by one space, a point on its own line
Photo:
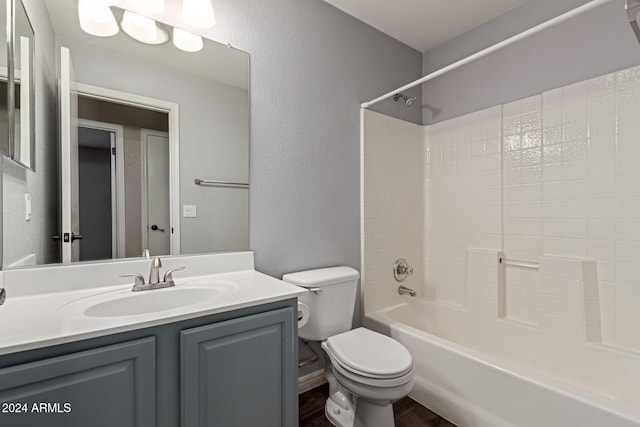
240 372
230 369
104 387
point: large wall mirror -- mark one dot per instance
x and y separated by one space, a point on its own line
17 91
152 151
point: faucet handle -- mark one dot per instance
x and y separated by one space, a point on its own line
402 269
168 276
139 278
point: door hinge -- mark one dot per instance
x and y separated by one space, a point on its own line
113 151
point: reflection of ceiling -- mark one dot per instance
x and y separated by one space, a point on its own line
216 61
423 24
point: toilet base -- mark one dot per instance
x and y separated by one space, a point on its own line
369 414
338 416
373 414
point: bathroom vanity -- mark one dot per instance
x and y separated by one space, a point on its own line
229 360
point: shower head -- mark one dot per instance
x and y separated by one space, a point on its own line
408 102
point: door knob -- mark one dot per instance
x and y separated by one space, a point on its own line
156 228
66 237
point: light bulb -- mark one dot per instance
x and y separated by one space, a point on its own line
110 2
187 41
198 13
96 18
139 27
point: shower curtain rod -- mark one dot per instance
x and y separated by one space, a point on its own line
558 19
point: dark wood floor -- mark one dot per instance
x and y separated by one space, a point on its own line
407 413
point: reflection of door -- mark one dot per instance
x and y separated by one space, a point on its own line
156 224
102 183
69 219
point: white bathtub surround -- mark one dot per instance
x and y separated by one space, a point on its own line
393 185
48 306
465 195
553 183
553 175
561 298
569 303
480 371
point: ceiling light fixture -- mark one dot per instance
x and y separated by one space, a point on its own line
96 18
187 41
139 27
198 13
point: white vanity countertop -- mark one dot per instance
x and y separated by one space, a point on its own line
45 319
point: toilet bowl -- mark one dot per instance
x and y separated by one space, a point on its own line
366 371
374 369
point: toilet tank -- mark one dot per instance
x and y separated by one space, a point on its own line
331 300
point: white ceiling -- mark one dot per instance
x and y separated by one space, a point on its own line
423 24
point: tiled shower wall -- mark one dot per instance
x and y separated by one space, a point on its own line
551 176
393 181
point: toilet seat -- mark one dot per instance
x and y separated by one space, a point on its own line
370 358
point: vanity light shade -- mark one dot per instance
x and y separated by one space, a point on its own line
198 13
96 18
187 41
150 6
139 27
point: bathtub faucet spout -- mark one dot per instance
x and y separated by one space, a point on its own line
403 290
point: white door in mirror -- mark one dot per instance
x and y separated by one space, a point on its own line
69 211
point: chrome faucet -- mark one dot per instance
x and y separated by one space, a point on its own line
154 277
154 273
403 290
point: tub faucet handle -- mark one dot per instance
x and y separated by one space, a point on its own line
402 269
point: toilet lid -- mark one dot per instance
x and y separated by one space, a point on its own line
370 354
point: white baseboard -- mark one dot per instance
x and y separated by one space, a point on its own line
311 381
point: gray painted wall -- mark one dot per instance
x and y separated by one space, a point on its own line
20 237
311 67
589 45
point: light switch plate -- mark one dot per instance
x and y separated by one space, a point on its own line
27 206
189 211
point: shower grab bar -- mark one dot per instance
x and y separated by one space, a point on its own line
633 8
502 280
533 30
225 184
523 264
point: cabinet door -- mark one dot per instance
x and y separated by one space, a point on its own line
240 372
106 387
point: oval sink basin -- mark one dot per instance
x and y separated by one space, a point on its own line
152 301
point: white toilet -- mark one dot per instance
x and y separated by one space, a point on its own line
368 370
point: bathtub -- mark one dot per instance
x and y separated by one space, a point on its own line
478 371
